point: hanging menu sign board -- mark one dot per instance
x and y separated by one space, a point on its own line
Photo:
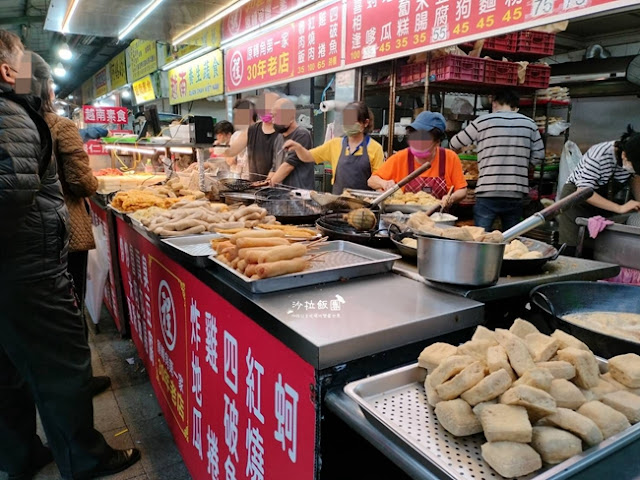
256 13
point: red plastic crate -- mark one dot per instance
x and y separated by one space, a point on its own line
536 43
412 73
458 68
537 76
502 43
500 73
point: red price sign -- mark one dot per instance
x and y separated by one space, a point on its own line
236 399
308 46
254 14
117 115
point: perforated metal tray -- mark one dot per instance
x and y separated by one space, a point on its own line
397 401
196 248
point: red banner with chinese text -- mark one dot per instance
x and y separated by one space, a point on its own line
383 29
308 46
237 400
255 14
117 115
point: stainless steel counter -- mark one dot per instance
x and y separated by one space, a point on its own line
563 269
617 243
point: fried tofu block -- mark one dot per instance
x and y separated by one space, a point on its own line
511 459
432 396
626 369
536 377
449 367
608 378
433 355
586 365
588 394
565 340
517 351
566 394
490 387
462 382
537 402
609 421
521 328
541 347
497 359
555 445
484 334
602 388
624 402
476 349
456 417
481 406
505 423
578 424
559 369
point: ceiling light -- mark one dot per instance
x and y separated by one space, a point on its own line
190 56
67 17
122 148
64 52
210 21
126 93
139 18
59 70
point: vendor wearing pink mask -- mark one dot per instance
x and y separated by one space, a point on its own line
425 135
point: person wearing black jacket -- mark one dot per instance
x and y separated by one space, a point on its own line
44 356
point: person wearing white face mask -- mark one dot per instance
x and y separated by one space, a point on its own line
606 168
353 157
425 135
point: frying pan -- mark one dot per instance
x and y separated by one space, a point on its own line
529 266
397 236
336 228
555 300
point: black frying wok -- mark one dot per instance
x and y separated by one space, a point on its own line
555 300
336 228
530 266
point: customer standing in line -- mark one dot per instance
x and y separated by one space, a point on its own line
44 356
507 143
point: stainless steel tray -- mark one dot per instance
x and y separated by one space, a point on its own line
342 260
198 247
429 209
397 402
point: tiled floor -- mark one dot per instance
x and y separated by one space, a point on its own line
128 414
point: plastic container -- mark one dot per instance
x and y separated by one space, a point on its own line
458 69
535 43
502 43
537 76
500 73
412 73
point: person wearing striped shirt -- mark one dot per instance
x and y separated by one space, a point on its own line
606 168
507 143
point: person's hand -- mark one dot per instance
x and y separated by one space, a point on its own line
388 184
447 201
630 206
290 145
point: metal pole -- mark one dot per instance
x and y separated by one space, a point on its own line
427 73
392 105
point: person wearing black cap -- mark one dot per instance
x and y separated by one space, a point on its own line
425 135
606 167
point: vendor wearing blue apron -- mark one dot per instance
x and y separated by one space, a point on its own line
354 157
445 173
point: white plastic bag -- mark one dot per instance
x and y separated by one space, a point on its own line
97 271
569 160
558 128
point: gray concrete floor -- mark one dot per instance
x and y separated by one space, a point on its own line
128 414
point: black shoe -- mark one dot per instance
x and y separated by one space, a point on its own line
118 461
39 460
98 385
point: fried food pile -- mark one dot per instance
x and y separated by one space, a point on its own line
537 398
516 250
134 200
420 222
411 198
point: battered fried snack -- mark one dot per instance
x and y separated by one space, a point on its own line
462 382
282 267
602 388
481 406
250 242
490 387
257 234
521 328
559 369
432 396
587 371
624 402
555 445
537 402
432 355
609 421
456 233
456 417
493 237
497 360
505 423
536 377
517 351
582 426
476 349
511 459
449 367
565 340
608 378
626 369
566 394
541 347
485 335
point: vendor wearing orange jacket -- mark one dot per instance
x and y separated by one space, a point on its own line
425 135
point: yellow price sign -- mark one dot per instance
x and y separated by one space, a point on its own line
143 90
